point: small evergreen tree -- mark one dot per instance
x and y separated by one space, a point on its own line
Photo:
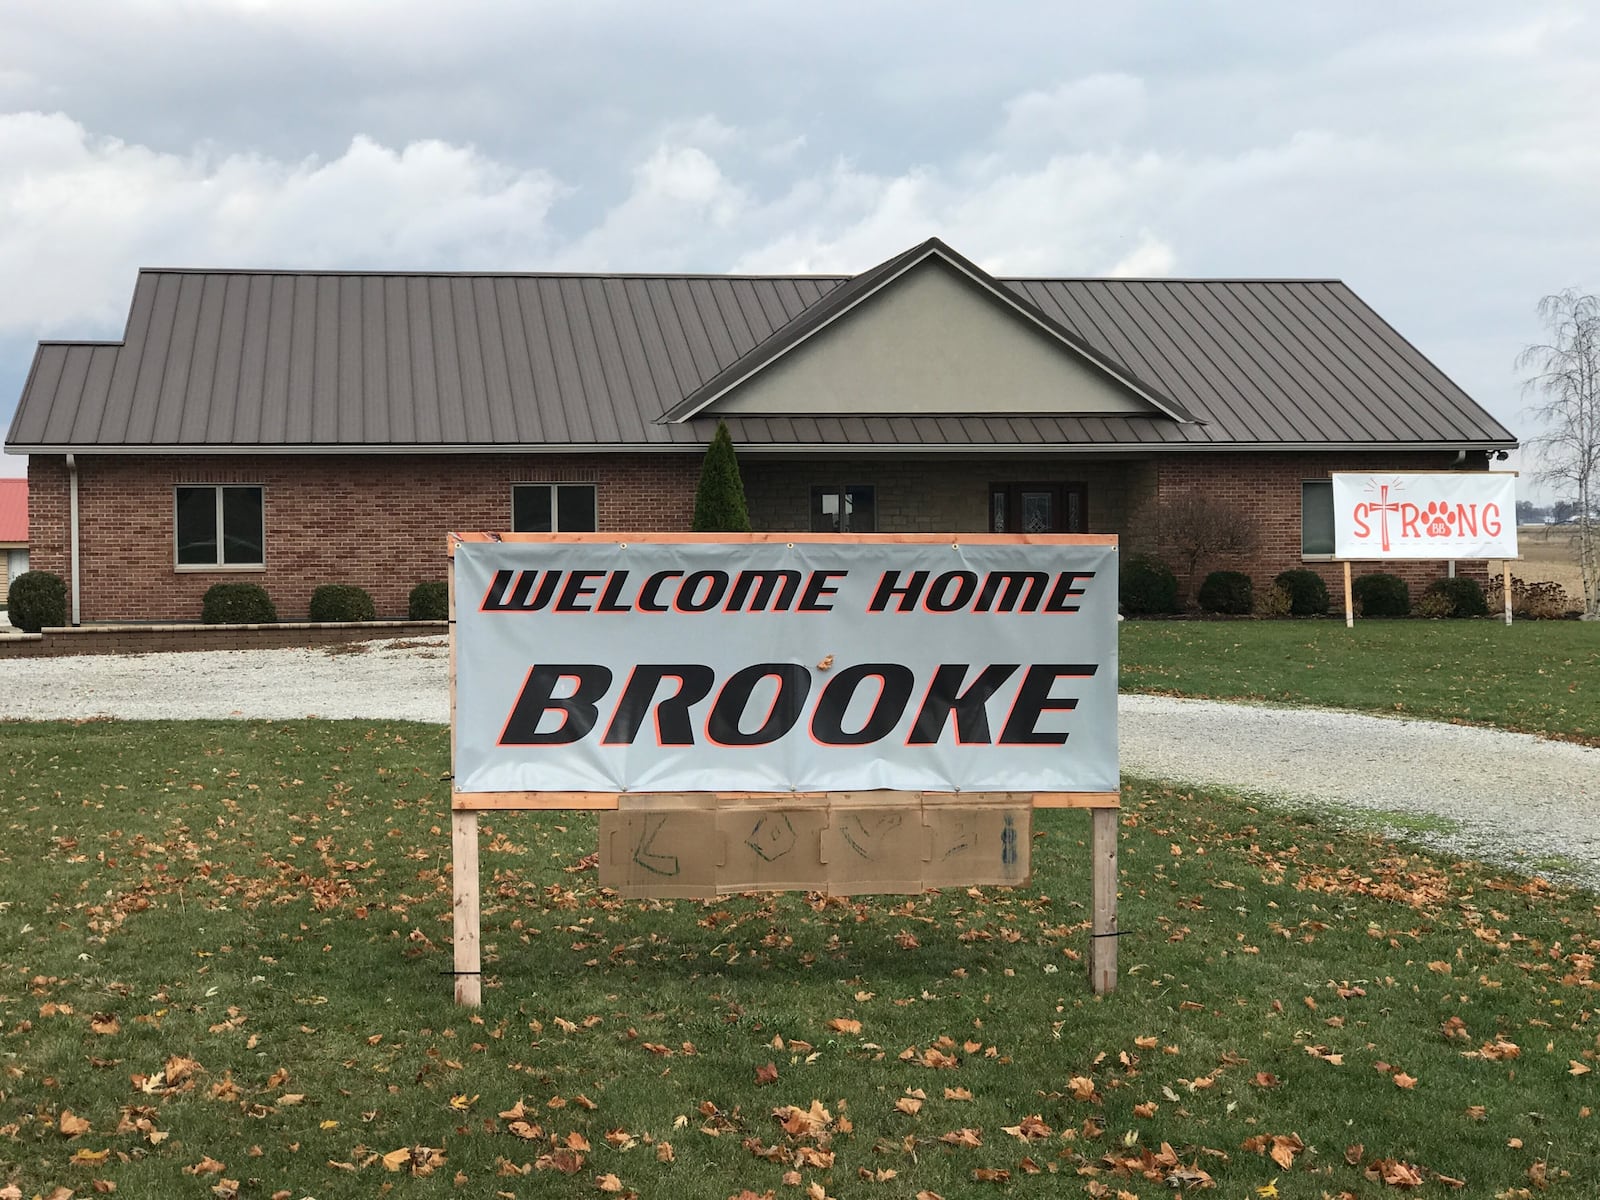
719 505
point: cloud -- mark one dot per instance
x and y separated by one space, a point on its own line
1261 140
80 213
1095 110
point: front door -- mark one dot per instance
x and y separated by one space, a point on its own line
1037 508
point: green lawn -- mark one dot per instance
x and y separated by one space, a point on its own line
221 957
1535 676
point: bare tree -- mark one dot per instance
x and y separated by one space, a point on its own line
1198 529
1566 381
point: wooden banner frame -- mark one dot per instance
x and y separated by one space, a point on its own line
1505 563
1104 808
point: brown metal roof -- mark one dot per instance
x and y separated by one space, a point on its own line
248 360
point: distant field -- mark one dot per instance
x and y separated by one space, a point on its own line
1548 555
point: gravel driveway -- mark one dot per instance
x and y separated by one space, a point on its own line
1482 793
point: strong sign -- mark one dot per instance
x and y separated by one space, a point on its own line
777 663
1465 514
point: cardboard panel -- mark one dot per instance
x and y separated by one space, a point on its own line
769 848
978 844
880 848
699 846
658 845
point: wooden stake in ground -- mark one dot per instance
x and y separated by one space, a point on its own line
464 885
1104 824
1506 581
1349 601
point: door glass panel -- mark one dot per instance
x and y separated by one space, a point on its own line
1075 521
1038 512
824 510
860 509
997 512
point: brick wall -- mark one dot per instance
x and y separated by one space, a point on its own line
379 520
1269 484
374 520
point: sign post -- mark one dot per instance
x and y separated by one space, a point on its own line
1443 515
768 711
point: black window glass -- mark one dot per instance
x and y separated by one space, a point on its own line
1316 517
860 509
197 525
243 540
575 505
530 509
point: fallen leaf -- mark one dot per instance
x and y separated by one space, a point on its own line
1578 1068
608 1183
845 1025
908 1105
71 1125
767 1074
1402 1080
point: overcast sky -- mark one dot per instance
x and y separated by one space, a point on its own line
1443 158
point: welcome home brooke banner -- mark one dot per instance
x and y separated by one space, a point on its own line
588 663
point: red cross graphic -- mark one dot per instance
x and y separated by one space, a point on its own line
1383 508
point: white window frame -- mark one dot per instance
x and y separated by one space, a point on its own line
555 507
217 489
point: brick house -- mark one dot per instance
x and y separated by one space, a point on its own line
13 532
299 428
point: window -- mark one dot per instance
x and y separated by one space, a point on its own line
1038 508
220 526
844 508
553 508
1316 518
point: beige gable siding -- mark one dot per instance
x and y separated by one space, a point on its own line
930 343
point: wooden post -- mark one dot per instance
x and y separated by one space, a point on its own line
466 910
464 883
1104 824
1349 600
1506 582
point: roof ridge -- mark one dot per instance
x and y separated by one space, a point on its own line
840 276
397 273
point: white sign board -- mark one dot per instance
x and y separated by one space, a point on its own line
590 664
1438 515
